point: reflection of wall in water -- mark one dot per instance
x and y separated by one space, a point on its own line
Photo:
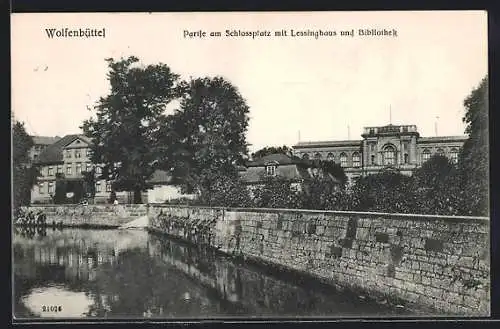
203 266
237 283
79 260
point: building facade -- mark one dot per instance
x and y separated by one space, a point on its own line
69 155
398 147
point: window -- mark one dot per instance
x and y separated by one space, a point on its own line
68 169
317 156
305 156
108 187
59 169
89 167
35 156
440 152
372 147
68 154
426 154
271 170
98 187
78 153
406 157
372 131
98 170
50 171
454 155
330 157
40 188
356 160
389 155
78 168
51 187
89 153
343 160
373 160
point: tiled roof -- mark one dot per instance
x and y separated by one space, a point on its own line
54 152
257 174
45 140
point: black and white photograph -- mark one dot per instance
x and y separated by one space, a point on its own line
198 166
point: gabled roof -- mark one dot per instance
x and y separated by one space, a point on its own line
54 152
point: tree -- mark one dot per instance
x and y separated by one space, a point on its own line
324 190
24 175
438 187
60 193
277 192
227 192
206 137
272 150
126 120
383 192
474 156
89 183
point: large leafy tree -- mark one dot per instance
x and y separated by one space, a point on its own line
205 138
23 173
126 121
474 156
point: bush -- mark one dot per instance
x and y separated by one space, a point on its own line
277 192
383 192
323 194
226 192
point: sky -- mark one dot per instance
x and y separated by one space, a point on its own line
327 88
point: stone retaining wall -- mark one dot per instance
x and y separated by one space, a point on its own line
434 261
91 215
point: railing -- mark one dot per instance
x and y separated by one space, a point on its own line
390 129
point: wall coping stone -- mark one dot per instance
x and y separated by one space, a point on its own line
484 220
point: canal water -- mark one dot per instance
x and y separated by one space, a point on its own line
77 273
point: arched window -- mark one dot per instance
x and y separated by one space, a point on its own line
389 155
305 156
343 160
426 154
373 160
440 152
454 155
317 156
356 160
330 157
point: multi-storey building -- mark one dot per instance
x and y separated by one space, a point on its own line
69 155
398 147
40 143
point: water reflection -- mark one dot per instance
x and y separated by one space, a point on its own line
123 273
